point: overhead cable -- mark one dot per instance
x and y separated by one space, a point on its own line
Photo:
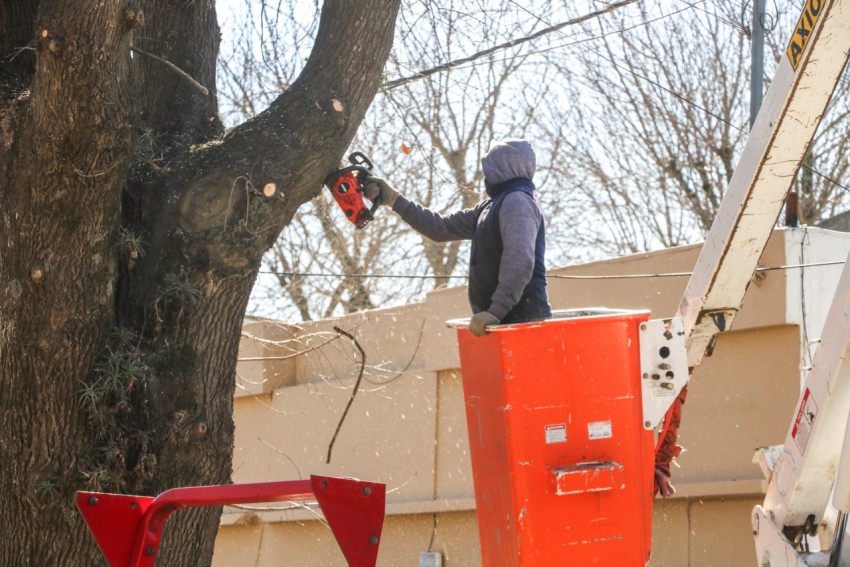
553 276
507 45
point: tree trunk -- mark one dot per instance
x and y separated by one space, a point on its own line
132 231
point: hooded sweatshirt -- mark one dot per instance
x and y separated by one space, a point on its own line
507 273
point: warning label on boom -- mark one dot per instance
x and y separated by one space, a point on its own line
807 413
803 31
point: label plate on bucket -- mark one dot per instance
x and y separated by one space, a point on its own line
556 433
600 430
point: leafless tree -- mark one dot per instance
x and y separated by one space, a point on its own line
426 137
660 119
132 227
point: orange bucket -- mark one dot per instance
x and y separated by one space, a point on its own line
562 465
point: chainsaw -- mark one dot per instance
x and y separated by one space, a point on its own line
347 186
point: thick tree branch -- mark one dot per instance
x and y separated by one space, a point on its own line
293 145
165 325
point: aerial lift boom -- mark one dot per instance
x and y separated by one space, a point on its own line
801 473
778 142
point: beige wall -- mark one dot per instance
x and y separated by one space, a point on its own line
703 532
407 428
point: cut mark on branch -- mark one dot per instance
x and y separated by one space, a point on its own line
174 68
353 391
135 18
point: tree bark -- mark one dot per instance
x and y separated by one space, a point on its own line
66 146
132 232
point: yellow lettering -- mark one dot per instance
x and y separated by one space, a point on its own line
803 31
794 52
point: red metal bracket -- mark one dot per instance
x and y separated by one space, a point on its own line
128 528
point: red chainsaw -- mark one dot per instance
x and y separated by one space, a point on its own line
347 186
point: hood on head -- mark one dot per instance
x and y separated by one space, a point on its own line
508 159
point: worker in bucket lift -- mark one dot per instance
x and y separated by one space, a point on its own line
507 274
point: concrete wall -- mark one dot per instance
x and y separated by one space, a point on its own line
407 428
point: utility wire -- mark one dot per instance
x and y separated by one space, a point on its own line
737 27
585 39
683 98
333 275
512 43
554 276
472 60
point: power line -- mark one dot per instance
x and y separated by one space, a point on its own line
553 276
591 38
472 60
733 25
512 43
683 98
336 275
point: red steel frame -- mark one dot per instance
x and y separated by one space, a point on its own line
128 528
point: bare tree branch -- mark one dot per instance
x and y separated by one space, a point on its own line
353 390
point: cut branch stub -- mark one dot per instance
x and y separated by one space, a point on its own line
55 45
135 17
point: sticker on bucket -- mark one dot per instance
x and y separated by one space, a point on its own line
556 433
599 430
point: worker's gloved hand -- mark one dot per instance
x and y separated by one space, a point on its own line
376 186
663 486
479 322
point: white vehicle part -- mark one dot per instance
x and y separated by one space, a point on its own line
806 468
663 366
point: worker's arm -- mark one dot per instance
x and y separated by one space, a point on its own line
433 225
441 228
519 222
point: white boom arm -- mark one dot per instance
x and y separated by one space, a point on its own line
777 144
805 468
